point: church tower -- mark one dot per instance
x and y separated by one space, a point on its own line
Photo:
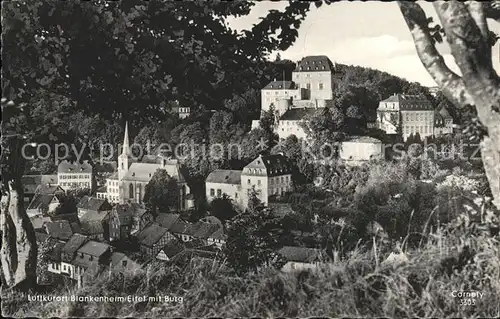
124 158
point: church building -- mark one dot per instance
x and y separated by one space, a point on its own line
128 184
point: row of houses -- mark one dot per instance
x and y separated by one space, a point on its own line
167 227
81 259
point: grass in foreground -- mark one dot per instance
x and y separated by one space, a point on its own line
360 286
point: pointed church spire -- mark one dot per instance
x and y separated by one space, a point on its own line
126 146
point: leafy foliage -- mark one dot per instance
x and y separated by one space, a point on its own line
161 194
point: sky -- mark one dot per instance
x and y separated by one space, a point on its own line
370 34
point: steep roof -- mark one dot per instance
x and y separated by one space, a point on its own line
167 220
54 252
299 113
300 254
179 227
39 221
280 85
444 113
41 201
94 216
71 217
125 212
47 189
74 243
410 102
275 165
92 227
224 176
74 167
94 248
117 259
59 229
31 182
172 248
151 234
315 63
91 203
143 172
202 230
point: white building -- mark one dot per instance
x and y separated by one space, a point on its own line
358 149
128 184
312 86
74 175
301 258
269 175
406 115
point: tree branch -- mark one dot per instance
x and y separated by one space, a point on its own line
476 11
492 10
470 49
452 85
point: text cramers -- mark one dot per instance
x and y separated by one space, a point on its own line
129 298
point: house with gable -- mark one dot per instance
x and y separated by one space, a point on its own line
46 200
68 253
95 224
173 247
90 260
74 175
60 230
92 204
120 223
31 183
269 175
121 263
301 258
152 239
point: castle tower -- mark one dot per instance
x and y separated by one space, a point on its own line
124 158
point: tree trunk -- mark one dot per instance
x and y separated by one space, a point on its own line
470 42
18 254
19 248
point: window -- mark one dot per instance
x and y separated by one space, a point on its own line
64 268
212 192
219 193
321 86
308 86
131 191
258 182
248 182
